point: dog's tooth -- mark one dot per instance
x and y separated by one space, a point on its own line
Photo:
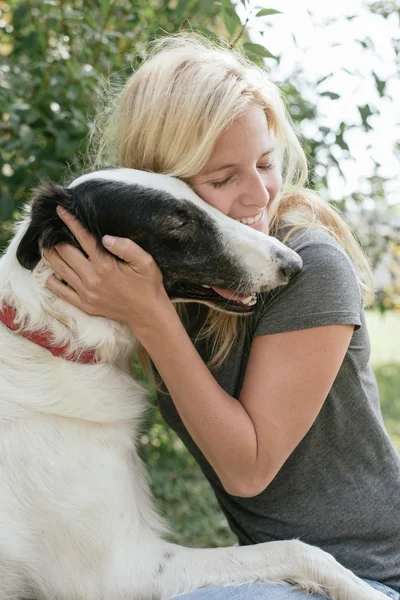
206 286
250 301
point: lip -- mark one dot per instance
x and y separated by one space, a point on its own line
260 224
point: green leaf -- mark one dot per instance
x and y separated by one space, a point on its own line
331 95
231 22
268 11
105 5
324 78
258 50
380 84
341 142
232 13
365 113
225 3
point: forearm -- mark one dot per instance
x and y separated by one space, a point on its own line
216 421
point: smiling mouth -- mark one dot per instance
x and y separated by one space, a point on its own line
252 220
220 298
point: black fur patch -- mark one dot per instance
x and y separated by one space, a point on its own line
45 224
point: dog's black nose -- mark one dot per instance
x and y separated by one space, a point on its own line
291 267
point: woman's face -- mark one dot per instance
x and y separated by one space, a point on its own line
242 176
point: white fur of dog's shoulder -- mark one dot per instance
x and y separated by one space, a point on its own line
72 484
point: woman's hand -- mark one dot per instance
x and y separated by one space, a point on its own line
130 292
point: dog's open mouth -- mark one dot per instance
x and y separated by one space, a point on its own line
221 298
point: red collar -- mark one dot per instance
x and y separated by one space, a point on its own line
44 339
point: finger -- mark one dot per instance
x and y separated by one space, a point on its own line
62 268
85 239
127 250
65 293
75 262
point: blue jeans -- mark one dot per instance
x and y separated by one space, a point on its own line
267 591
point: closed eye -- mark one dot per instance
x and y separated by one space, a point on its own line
266 167
218 184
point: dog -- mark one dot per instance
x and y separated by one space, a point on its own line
76 513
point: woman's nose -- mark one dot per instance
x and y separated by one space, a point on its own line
255 192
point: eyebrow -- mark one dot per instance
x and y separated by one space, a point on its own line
214 169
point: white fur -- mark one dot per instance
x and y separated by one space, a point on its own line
75 509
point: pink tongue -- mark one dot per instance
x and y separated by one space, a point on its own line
229 295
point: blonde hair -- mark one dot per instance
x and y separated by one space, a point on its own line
167 118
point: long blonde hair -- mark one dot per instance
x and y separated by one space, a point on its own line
167 118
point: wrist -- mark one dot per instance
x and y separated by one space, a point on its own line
154 325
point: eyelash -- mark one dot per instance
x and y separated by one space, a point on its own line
219 184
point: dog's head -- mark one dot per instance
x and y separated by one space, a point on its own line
198 249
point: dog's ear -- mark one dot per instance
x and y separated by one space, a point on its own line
45 227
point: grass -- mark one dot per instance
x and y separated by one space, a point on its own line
182 493
384 332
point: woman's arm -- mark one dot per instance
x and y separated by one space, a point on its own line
288 376
287 379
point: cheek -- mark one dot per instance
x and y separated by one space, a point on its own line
274 188
274 184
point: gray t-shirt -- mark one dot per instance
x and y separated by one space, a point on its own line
340 488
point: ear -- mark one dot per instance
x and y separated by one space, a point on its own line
45 225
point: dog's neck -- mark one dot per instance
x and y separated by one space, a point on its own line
39 309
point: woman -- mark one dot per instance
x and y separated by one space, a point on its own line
281 410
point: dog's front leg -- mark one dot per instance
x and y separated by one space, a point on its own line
305 567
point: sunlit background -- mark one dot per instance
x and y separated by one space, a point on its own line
350 49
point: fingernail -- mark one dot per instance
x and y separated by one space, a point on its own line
109 240
61 210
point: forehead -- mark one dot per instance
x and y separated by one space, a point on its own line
252 123
247 136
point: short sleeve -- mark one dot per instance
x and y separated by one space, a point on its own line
325 292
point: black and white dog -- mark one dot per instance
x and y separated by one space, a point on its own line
75 510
